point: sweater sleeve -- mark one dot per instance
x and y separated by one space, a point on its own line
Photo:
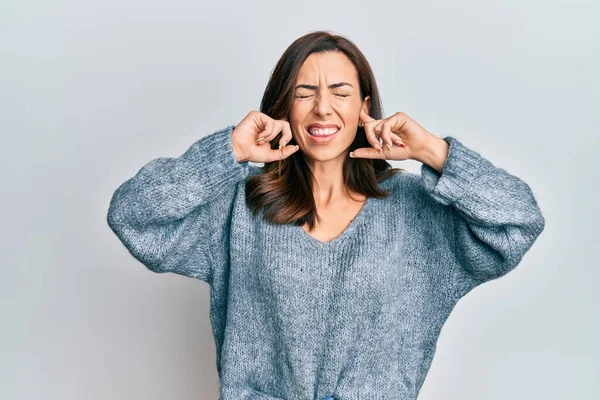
495 216
172 212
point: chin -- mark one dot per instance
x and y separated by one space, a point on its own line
326 154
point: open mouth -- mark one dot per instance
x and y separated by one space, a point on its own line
322 132
322 135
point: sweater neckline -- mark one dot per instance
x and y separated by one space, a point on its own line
354 224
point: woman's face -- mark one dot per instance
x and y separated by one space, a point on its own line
327 104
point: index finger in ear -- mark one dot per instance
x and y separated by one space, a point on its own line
364 117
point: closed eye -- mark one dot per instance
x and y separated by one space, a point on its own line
339 95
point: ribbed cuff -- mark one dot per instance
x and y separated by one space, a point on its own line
462 166
218 162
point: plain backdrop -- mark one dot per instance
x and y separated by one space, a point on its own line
90 91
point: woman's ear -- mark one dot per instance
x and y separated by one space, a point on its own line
366 105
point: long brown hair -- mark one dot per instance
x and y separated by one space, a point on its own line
284 188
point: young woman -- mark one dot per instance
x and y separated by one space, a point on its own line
331 273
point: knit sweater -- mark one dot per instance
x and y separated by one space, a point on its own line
357 317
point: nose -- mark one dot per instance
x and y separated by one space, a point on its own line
323 104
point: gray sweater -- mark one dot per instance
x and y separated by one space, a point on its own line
354 318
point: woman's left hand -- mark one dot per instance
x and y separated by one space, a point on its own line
404 136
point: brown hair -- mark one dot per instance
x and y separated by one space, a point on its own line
284 188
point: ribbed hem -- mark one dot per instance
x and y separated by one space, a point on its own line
216 160
462 166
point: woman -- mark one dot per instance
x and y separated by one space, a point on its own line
331 273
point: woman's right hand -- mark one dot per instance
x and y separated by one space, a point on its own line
250 138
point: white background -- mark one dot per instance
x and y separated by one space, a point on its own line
92 91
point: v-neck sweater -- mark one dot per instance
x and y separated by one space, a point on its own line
357 317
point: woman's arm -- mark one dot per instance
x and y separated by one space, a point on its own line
495 215
172 212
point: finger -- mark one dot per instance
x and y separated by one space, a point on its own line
377 130
287 134
366 152
267 124
277 127
264 121
273 128
397 140
282 153
386 132
371 136
364 117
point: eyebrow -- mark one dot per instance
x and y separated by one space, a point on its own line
332 86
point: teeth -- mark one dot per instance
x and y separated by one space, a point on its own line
322 132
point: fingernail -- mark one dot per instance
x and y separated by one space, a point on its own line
401 145
379 149
351 154
389 147
398 143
